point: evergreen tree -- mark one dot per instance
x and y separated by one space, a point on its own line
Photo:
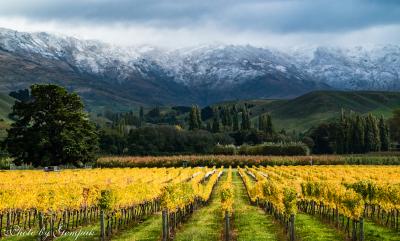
394 124
216 124
358 135
269 129
246 125
371 135
141 113
235 122
198 117
261 123
341 135
193 119
384 134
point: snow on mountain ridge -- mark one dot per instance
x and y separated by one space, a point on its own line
218 65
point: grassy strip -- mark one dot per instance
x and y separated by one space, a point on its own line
375 232
310 228
250 222
205 224
150 229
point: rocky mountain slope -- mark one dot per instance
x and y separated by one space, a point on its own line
122 77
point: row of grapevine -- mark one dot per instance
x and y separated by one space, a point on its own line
74 198
342 195
371 192
227 195
276 197
181 199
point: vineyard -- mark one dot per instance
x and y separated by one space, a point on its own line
242 160
347 202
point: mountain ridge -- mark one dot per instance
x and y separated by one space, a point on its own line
125 77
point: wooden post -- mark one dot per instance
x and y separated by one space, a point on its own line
1 224
361 229
227 226
41 227
354 233
165 228
291 228
102 228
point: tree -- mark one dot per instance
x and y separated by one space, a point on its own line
394 125
321 137
262 123
216 127
269 129
235 122
371 136
384 134
246 125
198 117
358 135
51 129
194 119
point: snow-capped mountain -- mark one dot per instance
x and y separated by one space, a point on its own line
358 68
105 73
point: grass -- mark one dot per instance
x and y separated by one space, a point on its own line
206 224
309 228
150 229
250 222
375 232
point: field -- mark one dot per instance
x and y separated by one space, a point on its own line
336 202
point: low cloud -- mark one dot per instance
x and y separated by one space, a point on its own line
189 22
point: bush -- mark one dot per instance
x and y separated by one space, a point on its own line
275 149
225 149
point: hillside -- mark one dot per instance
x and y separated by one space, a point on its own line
311 109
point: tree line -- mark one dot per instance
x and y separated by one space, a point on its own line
352 133
51 127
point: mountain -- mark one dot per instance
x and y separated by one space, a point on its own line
357 68
313 108
122 78
106 75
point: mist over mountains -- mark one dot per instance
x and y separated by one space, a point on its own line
106 75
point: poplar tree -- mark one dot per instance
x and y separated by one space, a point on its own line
246 125
193 119
216 124
235 122
269 128
384 134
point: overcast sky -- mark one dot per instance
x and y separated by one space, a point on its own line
176 23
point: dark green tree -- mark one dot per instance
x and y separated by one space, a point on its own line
358 135
51 129
246 125
394 125
269 129
262 122
198 117
193 120
235 122
384 134
216 125
372 140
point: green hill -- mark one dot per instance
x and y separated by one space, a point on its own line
310 109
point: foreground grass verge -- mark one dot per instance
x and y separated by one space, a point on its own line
206 223
250 222
374 232
310 228
150 229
